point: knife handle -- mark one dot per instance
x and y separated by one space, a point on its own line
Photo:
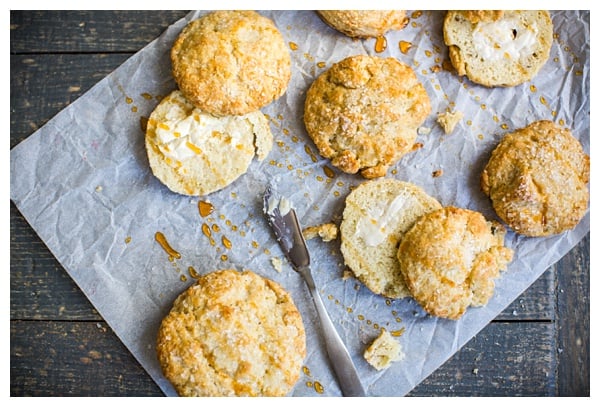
339 357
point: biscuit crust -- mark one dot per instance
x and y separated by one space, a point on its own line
232 334
364 23
498 48
450 258
363 113
215 151
536 179
231 62
371 231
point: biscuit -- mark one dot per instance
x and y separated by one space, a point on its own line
383 351
498 48
363 113
376 216
364 23
232 334
231 62
195 153
450 258
536 179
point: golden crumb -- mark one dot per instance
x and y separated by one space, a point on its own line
326 231
449 120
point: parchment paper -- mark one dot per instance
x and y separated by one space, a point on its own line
83 182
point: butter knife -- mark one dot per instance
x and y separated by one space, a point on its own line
282 218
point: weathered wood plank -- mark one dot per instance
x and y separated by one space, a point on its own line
504 359
73 359
43 85
573 321
85 31
86 359
40 289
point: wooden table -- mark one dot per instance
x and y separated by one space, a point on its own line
59 345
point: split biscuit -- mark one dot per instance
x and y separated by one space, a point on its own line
536 179
498 48
375 218
363 113
232 334
364 23
450 258
195 153
231 62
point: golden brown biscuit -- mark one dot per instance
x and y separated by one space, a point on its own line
449 260
195 153
498 48
376 216
536 178
232 334
364 23
363 113
231 62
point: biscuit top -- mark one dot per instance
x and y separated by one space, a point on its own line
536 179
231 62
364 23
449 259
363 113
232 334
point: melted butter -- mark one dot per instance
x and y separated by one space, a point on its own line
504 39
162 241
376 225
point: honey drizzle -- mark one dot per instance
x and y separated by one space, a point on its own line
162 241
205 208
380 44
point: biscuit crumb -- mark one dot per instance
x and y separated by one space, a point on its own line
347 274
99 188
437 173
423 131
276 263
449 120
326 231
383 351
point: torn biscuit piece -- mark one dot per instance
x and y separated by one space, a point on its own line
449 120
326 231
383 351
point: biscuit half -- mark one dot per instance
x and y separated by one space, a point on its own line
375 218
232 334
450 258
363 113
195 153
364 23
537 179
498 48
231 62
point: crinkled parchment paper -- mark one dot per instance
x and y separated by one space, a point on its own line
83 182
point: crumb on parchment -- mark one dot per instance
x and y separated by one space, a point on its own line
449 120
326 231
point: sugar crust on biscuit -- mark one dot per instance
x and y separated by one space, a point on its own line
537 179
231 62
363 113
232 334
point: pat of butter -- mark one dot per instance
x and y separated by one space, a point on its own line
503 39
380 218
283 204
186 132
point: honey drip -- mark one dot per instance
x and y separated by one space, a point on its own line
404 46
329 172
318 387
226 242
380 44
193 273
162 240
205 208
206 230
